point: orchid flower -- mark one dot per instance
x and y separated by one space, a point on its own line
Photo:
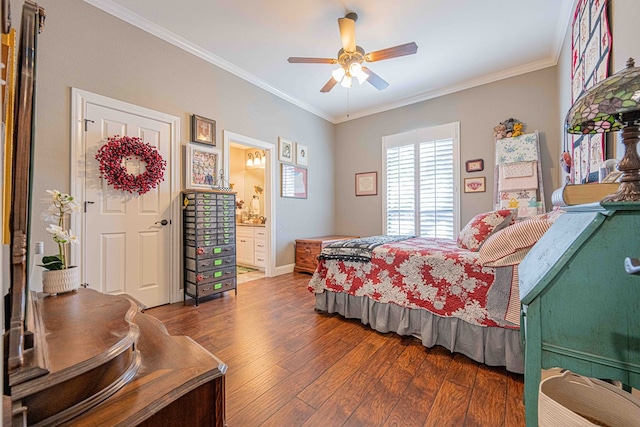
61 206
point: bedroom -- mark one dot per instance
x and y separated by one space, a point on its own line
82 47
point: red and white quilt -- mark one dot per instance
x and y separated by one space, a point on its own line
426 273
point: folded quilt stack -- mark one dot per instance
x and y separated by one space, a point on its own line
517 177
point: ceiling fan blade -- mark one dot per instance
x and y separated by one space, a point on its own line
347 34
392 52
330 84
375 80
299 60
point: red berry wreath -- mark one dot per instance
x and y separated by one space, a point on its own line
112 154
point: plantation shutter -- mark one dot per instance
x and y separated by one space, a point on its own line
401 190
421 181
436 189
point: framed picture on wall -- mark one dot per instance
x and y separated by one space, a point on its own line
202 165
285 150
293 181
203 130
475 185
367 184
476 165
302 154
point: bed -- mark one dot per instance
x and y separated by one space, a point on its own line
460 294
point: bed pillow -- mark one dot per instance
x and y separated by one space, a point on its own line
483 225
510 245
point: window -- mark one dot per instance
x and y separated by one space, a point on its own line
420 181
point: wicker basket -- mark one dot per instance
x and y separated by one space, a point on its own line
571 400
59 281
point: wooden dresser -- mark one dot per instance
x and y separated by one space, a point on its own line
580 307
95 359
307 251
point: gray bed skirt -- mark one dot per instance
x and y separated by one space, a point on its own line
492 346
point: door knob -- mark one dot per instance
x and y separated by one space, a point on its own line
163 222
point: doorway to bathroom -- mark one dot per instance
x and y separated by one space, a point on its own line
250 166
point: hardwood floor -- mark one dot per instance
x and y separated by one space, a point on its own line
291 366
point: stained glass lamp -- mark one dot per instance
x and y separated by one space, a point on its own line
612 105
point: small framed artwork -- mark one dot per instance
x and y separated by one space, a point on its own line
302 154
612 177
293 181
367 184
475 185
202 165
285 150
476 165
203 130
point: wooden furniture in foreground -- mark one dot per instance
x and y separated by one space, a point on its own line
209 224
580 307
307 251
97 360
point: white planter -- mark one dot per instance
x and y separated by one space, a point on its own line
59 281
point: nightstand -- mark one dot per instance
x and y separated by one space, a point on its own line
307 251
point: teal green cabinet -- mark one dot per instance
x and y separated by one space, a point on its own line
580 309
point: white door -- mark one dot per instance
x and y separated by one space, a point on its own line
126 247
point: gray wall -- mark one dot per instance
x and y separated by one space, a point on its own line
531 98
83 47
86 48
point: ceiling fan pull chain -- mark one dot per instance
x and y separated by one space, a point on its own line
348 90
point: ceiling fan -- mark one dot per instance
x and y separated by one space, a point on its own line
351 57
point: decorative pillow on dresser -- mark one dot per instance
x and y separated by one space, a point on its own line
483 225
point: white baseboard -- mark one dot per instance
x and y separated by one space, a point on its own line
284 269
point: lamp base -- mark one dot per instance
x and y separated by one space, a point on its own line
627 192
629 189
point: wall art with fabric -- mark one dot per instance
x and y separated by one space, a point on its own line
590 50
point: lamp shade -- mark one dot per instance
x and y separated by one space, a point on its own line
338 74
602 108
346 82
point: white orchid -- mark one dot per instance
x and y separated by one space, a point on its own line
62 205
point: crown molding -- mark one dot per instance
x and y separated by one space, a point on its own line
145 25
425 96
126 15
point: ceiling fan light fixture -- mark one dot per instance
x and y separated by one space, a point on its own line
346 82
338 74
362 76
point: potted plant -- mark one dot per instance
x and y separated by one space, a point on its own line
59 276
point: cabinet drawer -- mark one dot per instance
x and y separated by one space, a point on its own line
203 277
260 260
200 196
198 291
209 263
244 231
202 252
205 221
260 246
261 233
201 201
211 239
226 216
222 197
226 202
201 209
